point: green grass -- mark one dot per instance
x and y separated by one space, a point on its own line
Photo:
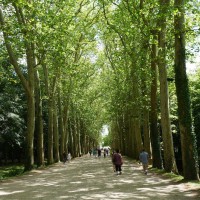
10 171
172 176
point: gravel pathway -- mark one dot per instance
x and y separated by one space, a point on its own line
93 179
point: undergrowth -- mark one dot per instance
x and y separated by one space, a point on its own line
10 171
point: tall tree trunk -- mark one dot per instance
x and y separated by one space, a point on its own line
50 131
146 131
145 93
135 137
70 131
30 129
131 139
154 134
50 114
136 111
65 125
61 125
55 134
78 136
115 135
84 149
121 133
145 100
30 108
188 141
50 92
28 85
169 157
74 132
128 149
138 136
38 122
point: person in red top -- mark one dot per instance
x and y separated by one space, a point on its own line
117 161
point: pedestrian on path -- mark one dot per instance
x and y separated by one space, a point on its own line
99 152
104 152
144 160
69 157
95 152
64 157
117 161
90 152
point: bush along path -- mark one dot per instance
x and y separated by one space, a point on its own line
93 179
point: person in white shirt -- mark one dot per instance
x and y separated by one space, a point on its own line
69 157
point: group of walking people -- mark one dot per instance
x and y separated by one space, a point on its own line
118 161
98 151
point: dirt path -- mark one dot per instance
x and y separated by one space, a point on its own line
93 178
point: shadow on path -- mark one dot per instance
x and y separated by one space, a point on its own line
93 179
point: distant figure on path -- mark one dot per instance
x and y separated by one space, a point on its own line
90 152
64 157
99 152
144 160
117 161
69 157
95 152
104 153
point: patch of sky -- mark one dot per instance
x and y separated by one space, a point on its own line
104 130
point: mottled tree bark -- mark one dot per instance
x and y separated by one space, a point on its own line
169 157
38 122
55 134
188 141
154 134
28 82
